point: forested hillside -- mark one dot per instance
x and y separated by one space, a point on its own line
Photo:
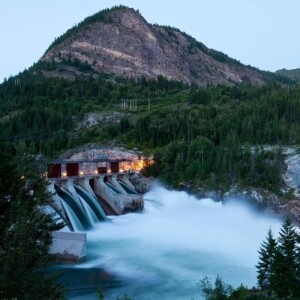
44 111
292 74
206 126
209 136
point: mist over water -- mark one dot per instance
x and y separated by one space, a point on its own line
163 252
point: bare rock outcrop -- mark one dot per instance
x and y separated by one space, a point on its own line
121 42
142 184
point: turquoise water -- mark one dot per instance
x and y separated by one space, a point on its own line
163 252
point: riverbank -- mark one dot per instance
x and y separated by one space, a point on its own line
163 252
285 205
260 198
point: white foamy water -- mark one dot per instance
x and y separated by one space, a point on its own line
163 252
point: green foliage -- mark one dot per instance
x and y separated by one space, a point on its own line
278 271
290 194
101 16
279 263
200 135
200 162
286 281
84 67
199 96
220 291
293 74
222 57
223 291
101 296
193 43
25 231
265 266
43 111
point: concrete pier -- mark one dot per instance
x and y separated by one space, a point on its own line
68 247
113 197
121 203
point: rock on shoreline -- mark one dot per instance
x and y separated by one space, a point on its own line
142 184
261 198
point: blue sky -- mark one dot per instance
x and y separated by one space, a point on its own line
262 33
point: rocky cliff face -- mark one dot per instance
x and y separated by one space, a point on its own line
121 42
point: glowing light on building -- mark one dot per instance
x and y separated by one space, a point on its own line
135 165
70 169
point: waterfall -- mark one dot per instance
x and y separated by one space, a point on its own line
112 188
127 188
165 251
76 214
91 204
74 220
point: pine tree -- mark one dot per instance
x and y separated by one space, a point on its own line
265 266
284 279
25 232
297 281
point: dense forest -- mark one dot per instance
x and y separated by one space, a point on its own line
293 74
25 229
209 136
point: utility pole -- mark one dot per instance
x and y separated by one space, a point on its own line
131 104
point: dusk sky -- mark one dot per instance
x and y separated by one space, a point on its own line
262 33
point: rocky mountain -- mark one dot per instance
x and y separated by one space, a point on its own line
293 74
120 41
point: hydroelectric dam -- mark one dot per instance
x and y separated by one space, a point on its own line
84 193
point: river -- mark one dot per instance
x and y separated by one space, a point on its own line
165 251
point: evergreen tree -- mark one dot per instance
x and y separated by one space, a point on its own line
265 266
25 232
6 179
284 281
297 281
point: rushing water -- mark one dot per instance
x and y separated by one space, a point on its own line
163 252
